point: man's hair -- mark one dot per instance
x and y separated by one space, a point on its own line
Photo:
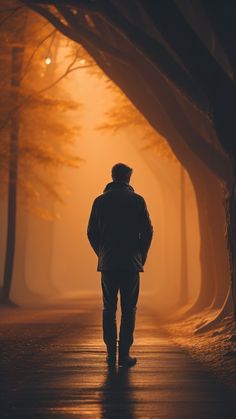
121 172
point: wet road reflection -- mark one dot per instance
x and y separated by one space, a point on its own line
52 366
117 398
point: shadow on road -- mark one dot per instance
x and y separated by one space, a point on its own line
117 399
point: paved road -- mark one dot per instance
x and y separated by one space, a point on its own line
52 366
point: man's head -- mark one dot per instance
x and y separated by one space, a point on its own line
121 173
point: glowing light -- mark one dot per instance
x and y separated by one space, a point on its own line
48 60
82 61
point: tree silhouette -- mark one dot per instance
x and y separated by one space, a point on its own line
32 146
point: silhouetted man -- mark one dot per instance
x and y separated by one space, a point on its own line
120 232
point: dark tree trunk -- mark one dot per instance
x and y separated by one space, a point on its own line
184 292
207 285
214 256
17 61
230 208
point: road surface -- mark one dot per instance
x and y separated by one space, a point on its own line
52 365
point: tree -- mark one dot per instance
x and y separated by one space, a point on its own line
28 160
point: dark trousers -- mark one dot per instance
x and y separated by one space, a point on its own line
128 284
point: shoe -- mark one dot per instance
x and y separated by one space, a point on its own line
126 361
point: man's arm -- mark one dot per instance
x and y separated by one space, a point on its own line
146 231
92 230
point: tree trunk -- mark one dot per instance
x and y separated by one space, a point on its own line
207 285
230 209
17 62
184 292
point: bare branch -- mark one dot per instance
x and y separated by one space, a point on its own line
69 70
79 35
91 38
36 49
12 13
65 30
150 48
11 9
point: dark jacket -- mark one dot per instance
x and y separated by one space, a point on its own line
119 228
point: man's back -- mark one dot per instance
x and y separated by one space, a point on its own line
120 232
119 228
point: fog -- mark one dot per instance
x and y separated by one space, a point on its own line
54 257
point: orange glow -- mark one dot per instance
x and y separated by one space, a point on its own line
65 262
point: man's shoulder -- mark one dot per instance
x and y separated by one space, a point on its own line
139 198
107 195
97 199
136 199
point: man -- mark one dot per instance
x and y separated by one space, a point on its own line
120 232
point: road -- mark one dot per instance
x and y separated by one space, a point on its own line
52 365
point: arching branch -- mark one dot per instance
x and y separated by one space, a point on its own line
79 34
204 68
154 52
92 38
211 157
150 48
193 53
223 23
54 20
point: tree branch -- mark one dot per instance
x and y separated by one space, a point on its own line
150 49
208 73
216 161
223 23
56 22
78 35
92 38
13 12
69 70
34 52
195 56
